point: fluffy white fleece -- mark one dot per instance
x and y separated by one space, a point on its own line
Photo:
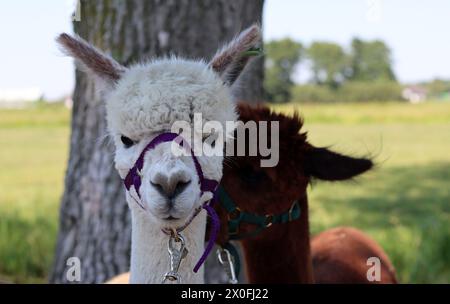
151 97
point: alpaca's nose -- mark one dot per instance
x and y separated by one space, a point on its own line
170 186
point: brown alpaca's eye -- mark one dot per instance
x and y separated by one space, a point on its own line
127 142
252 177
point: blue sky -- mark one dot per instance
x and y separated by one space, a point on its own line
417 32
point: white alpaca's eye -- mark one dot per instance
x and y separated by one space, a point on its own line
127 142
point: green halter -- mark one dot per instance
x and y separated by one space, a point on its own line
236 216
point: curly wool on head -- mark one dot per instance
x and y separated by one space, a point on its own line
151 97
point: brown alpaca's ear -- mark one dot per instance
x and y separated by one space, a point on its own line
327 165
95 61
231 60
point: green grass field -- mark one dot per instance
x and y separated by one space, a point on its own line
404 203
33 154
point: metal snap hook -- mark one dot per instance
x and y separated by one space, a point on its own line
176 256
227 262
269 220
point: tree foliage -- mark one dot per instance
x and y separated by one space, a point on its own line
363 71
282 56
329 63
351 91
437 88
371 61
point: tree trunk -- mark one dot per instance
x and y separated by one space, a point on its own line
95 222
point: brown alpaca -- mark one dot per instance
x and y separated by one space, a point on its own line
282 253
340 255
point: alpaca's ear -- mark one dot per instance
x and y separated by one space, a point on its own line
233 57
324 164
92 59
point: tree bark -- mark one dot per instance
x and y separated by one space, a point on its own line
95 222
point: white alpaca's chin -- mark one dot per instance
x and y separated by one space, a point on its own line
172 219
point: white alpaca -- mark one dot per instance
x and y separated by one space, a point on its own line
143 101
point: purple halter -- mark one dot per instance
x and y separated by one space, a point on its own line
133 178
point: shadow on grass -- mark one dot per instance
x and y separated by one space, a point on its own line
26 248
406 209
407 195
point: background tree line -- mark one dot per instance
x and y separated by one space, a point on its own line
361 73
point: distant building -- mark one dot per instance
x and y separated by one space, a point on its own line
414 94
17 98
